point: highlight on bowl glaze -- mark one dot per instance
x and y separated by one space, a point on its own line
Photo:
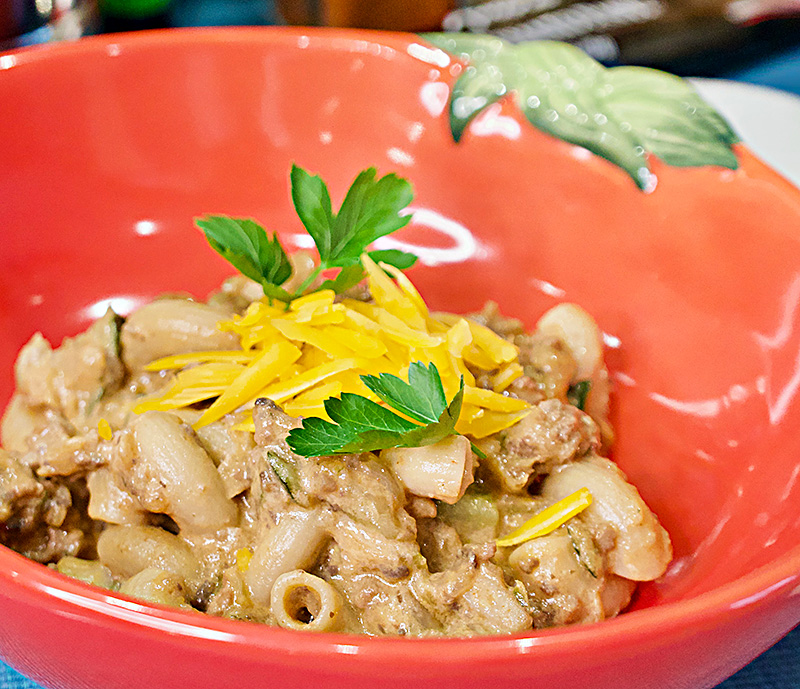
696 286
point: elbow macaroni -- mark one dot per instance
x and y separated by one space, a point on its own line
302 601
290 545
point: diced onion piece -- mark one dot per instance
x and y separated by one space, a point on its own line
550 519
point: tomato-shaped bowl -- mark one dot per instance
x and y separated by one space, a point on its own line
112 145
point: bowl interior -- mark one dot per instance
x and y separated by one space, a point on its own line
117 146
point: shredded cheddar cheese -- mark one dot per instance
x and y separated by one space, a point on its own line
243 557
550 519
104 429
315 348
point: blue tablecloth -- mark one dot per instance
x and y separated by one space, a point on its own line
781 71
778 668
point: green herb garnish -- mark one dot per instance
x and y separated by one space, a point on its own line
577 393
247 246
361 425
371 209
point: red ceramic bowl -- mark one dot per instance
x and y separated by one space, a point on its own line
112 145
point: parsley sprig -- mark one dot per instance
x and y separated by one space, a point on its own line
361 425
370 210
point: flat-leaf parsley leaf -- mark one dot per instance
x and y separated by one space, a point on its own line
248 247
371 209
361 425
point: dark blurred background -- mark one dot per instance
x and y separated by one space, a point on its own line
747 40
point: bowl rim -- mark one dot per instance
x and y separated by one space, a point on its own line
25 579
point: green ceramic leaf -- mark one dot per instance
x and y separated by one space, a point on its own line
563 94
484 81
620 113
468 46
669 118
481 85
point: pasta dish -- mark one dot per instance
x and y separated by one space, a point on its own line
313 447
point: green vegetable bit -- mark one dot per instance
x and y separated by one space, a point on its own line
286 473
577 393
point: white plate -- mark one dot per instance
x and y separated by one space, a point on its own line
768 120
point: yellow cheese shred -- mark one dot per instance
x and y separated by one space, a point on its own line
192 385
480 423
491 400
282 391
550 519
390 297
243 557
316 347
312 401
254 378
407 287
180 360
505 376
104 429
